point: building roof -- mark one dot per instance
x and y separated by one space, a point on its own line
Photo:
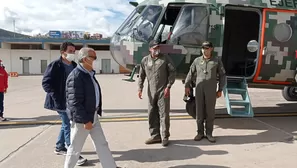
53 40
11 37
9 34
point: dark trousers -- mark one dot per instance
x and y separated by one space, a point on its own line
205 107
1 103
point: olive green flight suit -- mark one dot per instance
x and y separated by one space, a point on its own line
160 73
206 72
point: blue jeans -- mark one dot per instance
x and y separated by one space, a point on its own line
64 136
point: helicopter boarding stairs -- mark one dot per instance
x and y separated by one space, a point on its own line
238 86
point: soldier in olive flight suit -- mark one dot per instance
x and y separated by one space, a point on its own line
206 68
160 73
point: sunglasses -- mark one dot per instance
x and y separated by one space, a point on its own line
93 57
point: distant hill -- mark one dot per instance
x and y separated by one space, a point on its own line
9 34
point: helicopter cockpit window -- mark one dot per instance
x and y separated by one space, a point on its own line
191 26
127 26
143 28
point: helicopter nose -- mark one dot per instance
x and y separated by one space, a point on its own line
126 52
115 49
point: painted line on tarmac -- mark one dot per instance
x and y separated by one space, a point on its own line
140 118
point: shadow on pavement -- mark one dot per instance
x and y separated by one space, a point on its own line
139 111
40 118
257 123
260 130
282 107
273 128
173 152
265 137
19 126
90 162
198 166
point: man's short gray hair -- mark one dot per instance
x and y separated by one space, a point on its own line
83 52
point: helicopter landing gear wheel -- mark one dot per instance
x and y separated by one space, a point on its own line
290 93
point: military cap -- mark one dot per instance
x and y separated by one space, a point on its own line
153 43
207 44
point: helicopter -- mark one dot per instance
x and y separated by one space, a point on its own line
255 39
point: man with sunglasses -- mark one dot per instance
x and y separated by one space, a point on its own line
84 104
206 69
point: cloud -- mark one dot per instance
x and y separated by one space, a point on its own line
40 16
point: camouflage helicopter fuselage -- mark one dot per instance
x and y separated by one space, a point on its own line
274 47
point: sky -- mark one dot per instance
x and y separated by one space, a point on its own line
40 16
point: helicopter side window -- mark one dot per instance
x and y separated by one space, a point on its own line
126 27
144 26
191 26
163 33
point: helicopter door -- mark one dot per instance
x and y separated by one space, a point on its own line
189 31
277 59
191 25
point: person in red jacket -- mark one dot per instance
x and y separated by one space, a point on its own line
3 89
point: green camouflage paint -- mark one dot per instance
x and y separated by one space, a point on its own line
279 64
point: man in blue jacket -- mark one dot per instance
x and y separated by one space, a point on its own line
53 83
84 102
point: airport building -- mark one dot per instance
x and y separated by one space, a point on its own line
30 56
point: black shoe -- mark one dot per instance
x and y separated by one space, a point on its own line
3 119
81 161
62 151
153 141
210 138
198 137
165 142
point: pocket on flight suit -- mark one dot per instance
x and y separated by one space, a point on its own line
149 65
212 68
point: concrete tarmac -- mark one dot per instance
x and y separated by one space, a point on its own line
25 100
241 142
248 143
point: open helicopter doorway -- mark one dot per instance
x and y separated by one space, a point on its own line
242 25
